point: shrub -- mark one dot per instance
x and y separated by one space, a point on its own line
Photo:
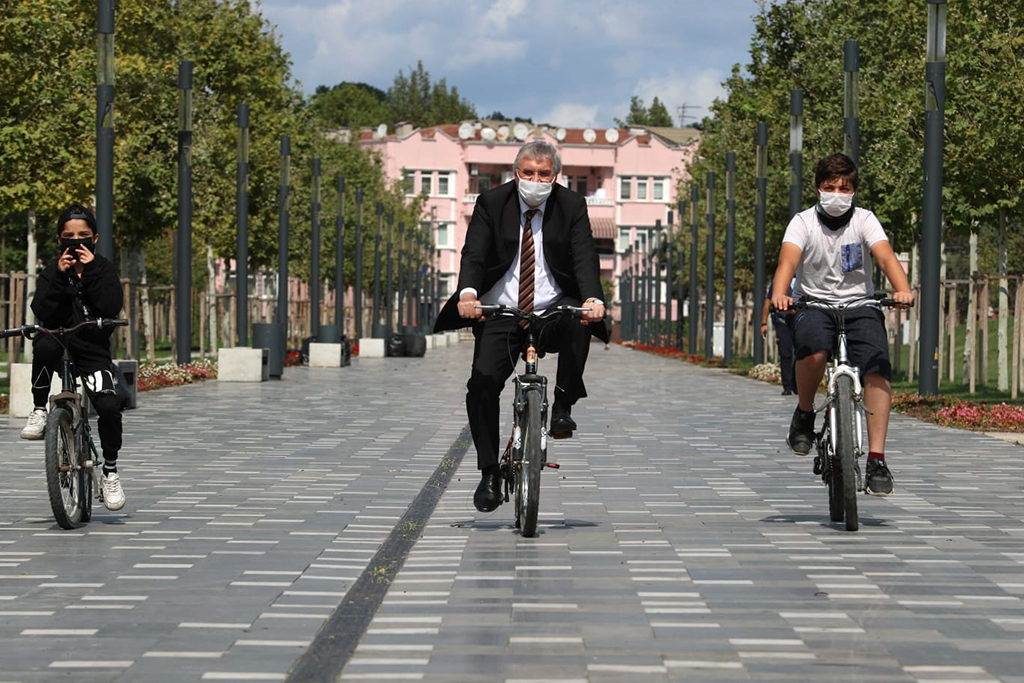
160 375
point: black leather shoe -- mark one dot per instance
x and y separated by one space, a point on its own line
488 494
562 424
787 392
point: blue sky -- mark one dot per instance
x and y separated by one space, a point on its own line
564 62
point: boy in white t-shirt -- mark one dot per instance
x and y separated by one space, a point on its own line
829 248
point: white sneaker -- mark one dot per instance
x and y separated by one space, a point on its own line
113 494
36 425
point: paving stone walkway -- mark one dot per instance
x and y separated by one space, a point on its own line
680 540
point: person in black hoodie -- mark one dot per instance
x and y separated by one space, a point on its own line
80 285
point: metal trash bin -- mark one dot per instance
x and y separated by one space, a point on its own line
328 334
270 336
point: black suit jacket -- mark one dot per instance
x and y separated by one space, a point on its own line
492 243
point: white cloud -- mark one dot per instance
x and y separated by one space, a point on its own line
570 115
497 18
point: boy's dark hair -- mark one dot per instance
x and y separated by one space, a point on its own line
835 166
73 212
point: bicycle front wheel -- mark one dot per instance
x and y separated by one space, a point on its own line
528 477
65 479
846 438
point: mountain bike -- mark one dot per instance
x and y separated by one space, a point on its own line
526 453
840 442
70 453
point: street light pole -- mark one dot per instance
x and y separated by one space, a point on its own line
796 151
314 270
931 214
694 300
105 127
709 273
759 230
183 281
283 189
339 259
357 286
242 219
730 251
851 100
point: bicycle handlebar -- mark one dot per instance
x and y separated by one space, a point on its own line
492 311
29 331
805 302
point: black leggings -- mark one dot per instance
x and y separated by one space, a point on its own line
46 360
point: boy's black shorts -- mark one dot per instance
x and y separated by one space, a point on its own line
867 345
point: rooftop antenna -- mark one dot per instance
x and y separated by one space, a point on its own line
682 115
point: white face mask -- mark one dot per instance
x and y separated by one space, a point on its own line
534 193
835 203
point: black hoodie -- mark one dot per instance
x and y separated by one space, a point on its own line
63 299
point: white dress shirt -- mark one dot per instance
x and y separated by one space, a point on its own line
506 290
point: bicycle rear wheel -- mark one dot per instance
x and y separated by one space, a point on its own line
845 437
528 477
65 478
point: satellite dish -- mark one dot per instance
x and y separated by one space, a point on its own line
589 135
560 134
382 130
611 135
466 130
502 133
488 134
520 131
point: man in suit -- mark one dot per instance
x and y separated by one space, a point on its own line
565 271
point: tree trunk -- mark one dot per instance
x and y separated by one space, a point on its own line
147 310
1004 305
30 272
972 313
211 298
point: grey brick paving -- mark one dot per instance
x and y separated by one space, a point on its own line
679 541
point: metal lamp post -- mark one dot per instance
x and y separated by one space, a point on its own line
730 251
339 259
681 258
357 286
658 246
283 188
709 273
931 214
105 127
183 280
242 219
759 230
851 100
388 322
694 286
376 329
314 270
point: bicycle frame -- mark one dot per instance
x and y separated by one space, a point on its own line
840 367
528 381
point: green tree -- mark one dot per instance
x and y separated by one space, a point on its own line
351 105
415 99
658 114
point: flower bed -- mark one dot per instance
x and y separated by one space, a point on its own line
671 352
161 375
954 412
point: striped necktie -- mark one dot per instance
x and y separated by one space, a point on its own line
526 265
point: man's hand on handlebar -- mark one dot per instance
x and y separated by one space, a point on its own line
904 298
595 314
468 307
782 303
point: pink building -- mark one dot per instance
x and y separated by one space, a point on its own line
629 177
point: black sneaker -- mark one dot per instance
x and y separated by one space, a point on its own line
801 432
878 481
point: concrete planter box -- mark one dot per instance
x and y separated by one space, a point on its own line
371 347
242 364
324 355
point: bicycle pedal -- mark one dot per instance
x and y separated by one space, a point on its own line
552 465
817 464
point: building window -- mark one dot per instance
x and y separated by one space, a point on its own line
623 240
445 236
625 185
582 185
641 189
408 180
426 178
444 184
659 189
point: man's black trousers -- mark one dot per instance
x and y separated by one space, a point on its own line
499 344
